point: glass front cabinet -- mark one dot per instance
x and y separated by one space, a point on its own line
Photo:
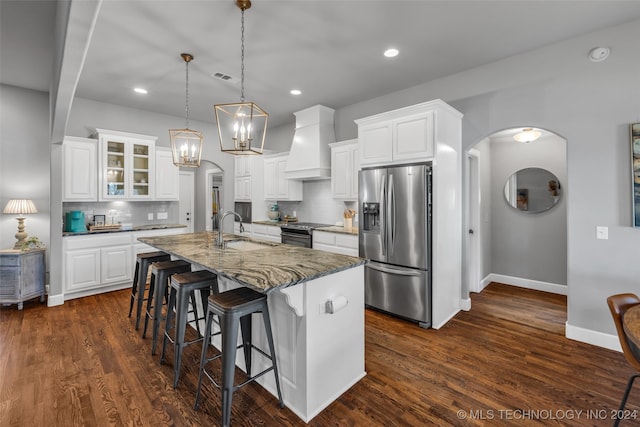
126 165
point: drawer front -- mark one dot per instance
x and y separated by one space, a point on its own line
324 237
347 241
9 260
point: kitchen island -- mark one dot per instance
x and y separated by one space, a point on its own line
320 354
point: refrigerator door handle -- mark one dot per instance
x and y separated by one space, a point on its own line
392 215
386 269
383 219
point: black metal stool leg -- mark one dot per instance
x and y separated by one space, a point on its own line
625 397
272 351
229 345
203 357
168 322
245 329
134 287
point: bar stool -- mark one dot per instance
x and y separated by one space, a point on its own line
236 307
160 274
183 287
143 262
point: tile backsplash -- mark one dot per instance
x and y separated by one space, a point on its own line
134 213
318 205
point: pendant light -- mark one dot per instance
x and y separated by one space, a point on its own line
186 144
242 126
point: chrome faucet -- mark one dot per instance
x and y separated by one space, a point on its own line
220 242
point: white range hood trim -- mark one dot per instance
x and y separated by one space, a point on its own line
310 154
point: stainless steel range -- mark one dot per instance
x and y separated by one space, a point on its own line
299 233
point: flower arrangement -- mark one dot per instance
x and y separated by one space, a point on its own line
31 243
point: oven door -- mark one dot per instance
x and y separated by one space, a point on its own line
296 239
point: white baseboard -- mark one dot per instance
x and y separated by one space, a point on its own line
592 337
537 285
465 304
53 300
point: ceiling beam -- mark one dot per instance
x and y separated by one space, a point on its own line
75 22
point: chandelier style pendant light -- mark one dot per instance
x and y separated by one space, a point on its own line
186 144
242 126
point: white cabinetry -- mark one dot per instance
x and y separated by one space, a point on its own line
399 136
242 178
423 132
126 166
344 169
96 263
270 233
276 185
79 169
93 261
167 182
340 243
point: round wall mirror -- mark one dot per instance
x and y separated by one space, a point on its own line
532 190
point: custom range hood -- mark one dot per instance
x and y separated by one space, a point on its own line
310 155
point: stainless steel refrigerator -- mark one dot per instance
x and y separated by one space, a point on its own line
395 236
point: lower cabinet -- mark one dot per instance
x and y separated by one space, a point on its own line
340 243
269 233
96 263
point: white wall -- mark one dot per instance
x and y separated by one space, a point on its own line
590 105
527 245
24 160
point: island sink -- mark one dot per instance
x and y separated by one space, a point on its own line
245 245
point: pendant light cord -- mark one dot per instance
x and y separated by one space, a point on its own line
242 57
186 101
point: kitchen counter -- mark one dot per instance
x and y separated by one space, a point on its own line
316 306
272 223
136 228
340 230
328 229
265 267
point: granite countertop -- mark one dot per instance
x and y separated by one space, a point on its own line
267 222
328 229
340 230
263 266
136 228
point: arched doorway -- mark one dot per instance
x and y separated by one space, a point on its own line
506 244
207 201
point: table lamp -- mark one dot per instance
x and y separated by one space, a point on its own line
20 207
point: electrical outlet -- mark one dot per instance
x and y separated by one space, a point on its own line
163 215
150 216
602 232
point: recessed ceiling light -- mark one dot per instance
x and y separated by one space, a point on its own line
140 90
598 54
295 92
390 53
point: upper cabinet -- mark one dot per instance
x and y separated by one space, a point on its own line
276 185
167 183
344 169
126 166
79 169
242 177
399 136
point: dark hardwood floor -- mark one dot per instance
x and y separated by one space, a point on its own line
505 362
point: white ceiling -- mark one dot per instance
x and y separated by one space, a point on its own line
330 50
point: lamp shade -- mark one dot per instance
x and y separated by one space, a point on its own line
242 127
20 206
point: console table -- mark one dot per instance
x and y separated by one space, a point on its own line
22 276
